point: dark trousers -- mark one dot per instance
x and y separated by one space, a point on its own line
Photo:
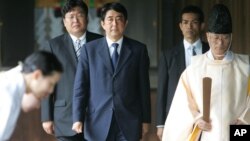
77 137
115 133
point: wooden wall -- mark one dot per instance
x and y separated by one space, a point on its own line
29 128
17 31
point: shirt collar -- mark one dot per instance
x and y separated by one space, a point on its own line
74 38
228 56
109 41
197 44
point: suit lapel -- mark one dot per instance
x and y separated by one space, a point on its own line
88 36
70 50
103 52
124 55
180 58
105 56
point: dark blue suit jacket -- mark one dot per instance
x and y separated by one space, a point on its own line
101 93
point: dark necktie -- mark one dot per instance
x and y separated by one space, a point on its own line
115 55
194 52
78 48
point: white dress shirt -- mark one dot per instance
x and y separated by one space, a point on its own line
111 49
12 88
189 52
82 40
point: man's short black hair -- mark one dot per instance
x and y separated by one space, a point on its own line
193 9
44 61
70 4
118 7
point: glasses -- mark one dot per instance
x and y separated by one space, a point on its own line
79 16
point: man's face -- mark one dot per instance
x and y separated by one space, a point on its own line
40 87
75 22
219 44
114 25
191 27
44 85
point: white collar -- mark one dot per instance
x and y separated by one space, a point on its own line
74 38
109 41
197 43
228 56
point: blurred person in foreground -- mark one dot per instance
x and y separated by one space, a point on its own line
24 86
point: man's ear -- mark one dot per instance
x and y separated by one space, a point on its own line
126 23
102 24
202 26
180 25
64 22
36 74
208 38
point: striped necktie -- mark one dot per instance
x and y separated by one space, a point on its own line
78 48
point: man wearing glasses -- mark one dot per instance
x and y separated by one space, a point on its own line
56 110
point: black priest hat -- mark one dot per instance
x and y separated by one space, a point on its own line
220 21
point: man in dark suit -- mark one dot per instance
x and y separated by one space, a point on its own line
112 92
56 110
174 60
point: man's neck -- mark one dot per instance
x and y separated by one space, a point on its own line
191 40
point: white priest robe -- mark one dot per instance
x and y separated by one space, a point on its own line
229 98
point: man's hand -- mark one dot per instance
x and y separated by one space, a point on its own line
238 122
145 129
203 125
77 127
160 132
48 127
